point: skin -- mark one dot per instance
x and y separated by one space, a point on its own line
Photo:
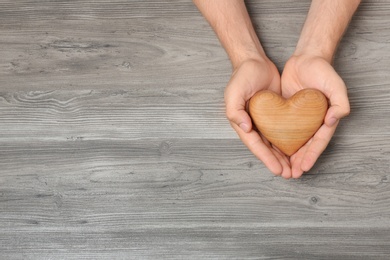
310 66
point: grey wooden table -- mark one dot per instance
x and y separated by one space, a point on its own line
114 142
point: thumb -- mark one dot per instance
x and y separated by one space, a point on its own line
338 99
237 93
235 110
239 117
335 113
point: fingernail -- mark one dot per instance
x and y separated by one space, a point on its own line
332 121
244 127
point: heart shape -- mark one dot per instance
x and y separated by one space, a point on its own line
288 124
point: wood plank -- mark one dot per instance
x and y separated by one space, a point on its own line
152 113
197 169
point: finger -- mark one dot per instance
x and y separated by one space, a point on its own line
235 100
318 144
256 145
283 156
239 118
296 161
296 172
336 91
286 172
336 112
235 110
284 161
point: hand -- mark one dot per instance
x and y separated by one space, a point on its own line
306 71
248 78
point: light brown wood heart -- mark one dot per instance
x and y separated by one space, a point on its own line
288 124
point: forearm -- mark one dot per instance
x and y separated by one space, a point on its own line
325 25
231 23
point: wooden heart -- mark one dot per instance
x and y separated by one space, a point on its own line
288 124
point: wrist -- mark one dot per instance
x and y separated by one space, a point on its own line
315 50
249 55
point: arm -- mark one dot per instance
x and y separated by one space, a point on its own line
252 72
231 23
310 67
326 23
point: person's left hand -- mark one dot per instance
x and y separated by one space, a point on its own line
306 71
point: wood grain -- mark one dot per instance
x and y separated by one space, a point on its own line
288 124
114 142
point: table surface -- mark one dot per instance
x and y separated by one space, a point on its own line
114 142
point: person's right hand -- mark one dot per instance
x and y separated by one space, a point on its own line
248 78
